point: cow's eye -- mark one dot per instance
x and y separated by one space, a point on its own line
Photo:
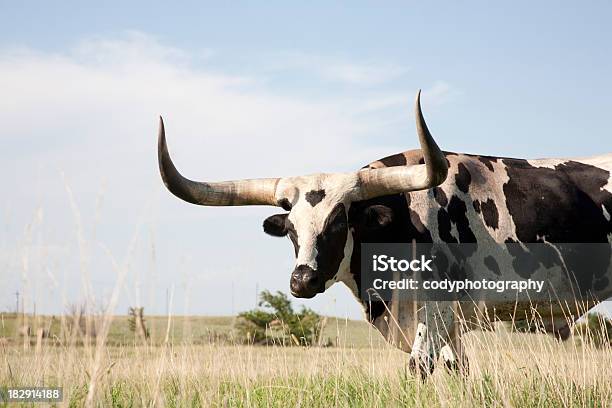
337 220
338 225
376 217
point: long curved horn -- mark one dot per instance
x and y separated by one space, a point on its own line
393 180
239 192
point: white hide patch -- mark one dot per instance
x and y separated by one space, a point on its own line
548 163
485 185
421 347
447 354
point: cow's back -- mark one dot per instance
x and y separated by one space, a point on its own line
495 200
557 200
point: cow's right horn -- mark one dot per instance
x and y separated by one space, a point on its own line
401 179
237 192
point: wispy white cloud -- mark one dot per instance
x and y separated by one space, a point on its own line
102 98
338 69
108 93
439 93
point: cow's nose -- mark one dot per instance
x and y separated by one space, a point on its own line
305 282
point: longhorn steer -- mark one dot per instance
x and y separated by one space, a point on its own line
430 196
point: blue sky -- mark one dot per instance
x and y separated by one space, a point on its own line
255 90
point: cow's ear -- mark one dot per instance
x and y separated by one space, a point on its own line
376 216
276 225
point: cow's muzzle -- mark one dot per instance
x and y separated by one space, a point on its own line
306 282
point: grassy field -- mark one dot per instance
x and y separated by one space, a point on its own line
198 367
193 330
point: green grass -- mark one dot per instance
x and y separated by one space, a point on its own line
217 376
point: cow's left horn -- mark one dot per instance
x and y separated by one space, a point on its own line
393 180
237 192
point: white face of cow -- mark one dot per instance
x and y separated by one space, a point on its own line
317 224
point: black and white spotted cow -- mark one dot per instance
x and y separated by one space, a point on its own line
431 196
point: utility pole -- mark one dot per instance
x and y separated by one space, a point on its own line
16 302
256 293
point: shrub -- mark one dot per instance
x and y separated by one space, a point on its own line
275 322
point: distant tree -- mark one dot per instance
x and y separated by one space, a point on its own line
596 328
275 322
137 322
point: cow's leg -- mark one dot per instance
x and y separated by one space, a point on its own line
422 356
453 353
449 357
433 332
454 357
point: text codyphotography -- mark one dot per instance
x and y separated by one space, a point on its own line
385 263
427 271
458 286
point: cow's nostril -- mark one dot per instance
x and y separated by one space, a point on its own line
311 280
294 285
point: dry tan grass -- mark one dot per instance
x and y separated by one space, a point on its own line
507 369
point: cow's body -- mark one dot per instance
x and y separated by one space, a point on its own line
428 196
495 200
